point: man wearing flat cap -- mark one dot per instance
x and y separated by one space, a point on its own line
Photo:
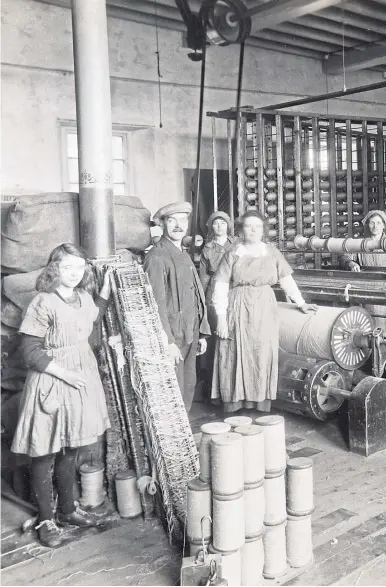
179 295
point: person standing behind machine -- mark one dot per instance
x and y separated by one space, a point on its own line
179 295
374 227
218 242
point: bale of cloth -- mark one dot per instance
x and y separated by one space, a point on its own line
35 225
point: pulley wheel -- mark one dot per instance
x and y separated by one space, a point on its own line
321 404
350 322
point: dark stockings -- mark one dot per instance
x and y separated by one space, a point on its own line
42 469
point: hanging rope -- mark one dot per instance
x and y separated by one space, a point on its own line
158 64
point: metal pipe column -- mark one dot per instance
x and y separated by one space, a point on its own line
93 108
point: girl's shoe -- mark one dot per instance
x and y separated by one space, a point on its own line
49 534
77 518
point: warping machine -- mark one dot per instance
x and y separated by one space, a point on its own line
316 178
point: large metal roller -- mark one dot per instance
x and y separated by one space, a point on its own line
340 245
305 385
333 334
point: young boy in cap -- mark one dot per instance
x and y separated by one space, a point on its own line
179 295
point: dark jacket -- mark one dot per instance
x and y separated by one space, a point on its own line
174 280
210 260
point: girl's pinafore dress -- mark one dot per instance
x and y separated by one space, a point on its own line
54 414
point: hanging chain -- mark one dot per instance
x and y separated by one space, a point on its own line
158 64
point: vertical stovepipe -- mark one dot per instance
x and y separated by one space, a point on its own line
93 107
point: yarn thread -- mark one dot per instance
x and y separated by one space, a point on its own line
227 464
230 565
253 453
274 443
252 557
199 505
299 541
275 552
300 495
128 497
275 501
91 478
228 522
235 421
208 431
254 503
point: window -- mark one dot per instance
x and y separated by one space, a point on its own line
70 160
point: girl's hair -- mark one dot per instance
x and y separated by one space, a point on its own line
260 216
210 235
49 279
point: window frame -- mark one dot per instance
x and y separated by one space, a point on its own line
69 127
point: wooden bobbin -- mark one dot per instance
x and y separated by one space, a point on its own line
208 431
275 502
299 541
92 477
253 451
230 565
199 504
235 421
254 505
227 468
228 522
275 552
274 443
300 491
128 498
196 546
252 561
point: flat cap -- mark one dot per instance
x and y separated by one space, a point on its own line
170 209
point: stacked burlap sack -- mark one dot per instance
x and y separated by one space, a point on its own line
31 227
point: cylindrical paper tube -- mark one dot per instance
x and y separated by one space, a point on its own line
199 504
230 565
274 443
300 492
227 470
195 547
228 522
252 561
208 431
275 555
235 421
254 504
253 451
299 540
128 499
92 476
275 505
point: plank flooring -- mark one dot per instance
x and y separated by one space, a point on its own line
349 526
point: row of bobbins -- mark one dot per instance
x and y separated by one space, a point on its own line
242 487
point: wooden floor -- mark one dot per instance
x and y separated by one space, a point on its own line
349 526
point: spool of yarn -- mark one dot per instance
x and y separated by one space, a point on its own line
253 453
208 431
299 541
275 553
230 565
300 492
274 443
227 469
275 503
235 421
128 499
196 546
254 504
228 522
252 561
91 478
199 504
